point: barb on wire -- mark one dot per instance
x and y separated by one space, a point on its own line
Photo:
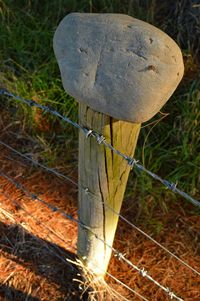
126 286
102 140
64 259
70 217
53 171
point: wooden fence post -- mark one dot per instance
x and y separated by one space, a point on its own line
103 177
126 69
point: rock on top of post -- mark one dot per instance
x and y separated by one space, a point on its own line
117 65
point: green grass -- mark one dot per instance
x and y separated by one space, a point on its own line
169 147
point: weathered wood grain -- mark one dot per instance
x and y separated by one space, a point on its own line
103 177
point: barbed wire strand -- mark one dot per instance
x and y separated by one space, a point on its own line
53 171
16 203
3 210
119 255
102 140
148 236
66 260
126 286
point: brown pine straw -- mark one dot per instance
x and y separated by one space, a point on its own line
30 238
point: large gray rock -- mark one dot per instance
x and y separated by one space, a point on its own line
118 65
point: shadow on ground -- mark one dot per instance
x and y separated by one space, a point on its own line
46 264
10 293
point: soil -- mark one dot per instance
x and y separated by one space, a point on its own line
38 246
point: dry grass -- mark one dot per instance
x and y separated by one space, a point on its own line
38 247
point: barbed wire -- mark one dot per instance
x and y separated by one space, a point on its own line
53 171
18 205
126 286
102 140
35 162
65 260
118 254
4 211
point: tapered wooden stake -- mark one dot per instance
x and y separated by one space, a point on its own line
103 177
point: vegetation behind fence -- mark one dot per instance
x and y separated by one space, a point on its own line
168 145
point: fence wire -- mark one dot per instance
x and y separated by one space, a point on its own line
36 163
63 259
18 205
131 162
55 172
102 140
118 254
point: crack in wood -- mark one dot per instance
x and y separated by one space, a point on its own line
104 214
105 175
